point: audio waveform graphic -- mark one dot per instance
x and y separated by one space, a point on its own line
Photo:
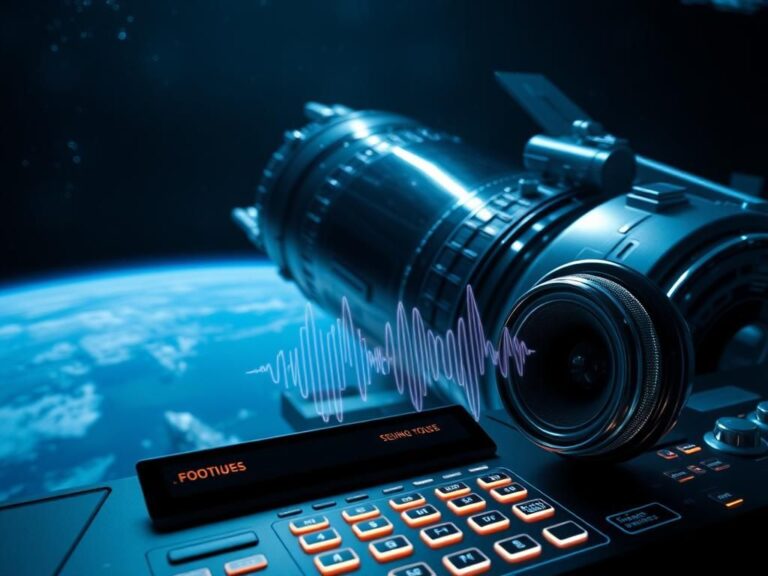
326 362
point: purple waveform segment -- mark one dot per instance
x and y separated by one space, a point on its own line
325 362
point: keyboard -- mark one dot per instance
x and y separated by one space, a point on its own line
461 521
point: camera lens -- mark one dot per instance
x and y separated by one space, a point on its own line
382 210
601 383
570 381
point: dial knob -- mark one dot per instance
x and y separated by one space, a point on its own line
760 416
762 412
737 436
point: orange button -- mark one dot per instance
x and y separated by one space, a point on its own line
565 534
306 525
441 535
358 513
452 490
467 562
689 448
466 504
421 516
517 548
533 510
246 565
407 501
320 541
488 522
338 562
494 480
372 529
510 493
392 548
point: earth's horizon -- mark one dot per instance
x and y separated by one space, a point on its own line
107 367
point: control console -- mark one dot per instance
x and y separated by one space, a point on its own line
421 494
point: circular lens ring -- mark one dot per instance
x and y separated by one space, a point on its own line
667 360
632 390
544 425
649 361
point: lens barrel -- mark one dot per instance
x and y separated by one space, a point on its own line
382 210
612 364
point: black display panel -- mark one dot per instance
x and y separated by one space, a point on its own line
197 486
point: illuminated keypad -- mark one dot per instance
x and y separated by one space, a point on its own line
391 548
472 499
565 535
311 524
373 528
319 541
494 480
517 548
488 522
361 512
406 501
466 505
510 493
337 562
247 565
442 535
421 516
467 562
533 510
452 490
419 569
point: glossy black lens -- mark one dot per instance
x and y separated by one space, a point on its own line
569 380
609 372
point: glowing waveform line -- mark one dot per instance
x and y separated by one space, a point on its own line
412 353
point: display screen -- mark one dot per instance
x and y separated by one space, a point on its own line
263 474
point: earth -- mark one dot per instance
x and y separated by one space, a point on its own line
101 370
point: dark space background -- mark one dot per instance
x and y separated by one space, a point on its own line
130 129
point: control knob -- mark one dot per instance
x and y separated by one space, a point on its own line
736 436
760 416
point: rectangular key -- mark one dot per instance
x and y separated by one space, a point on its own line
681 475
689 448
372 529
466 504
488 522
510 493
306 525
392 548
338 562
211 547
494 480
565 535
421 516
361 512
715 464
407 501
419 569
452 490
533 510
320 541
441 535
517 548
246 565
467 562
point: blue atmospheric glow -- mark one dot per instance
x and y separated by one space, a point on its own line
134 274
85 357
